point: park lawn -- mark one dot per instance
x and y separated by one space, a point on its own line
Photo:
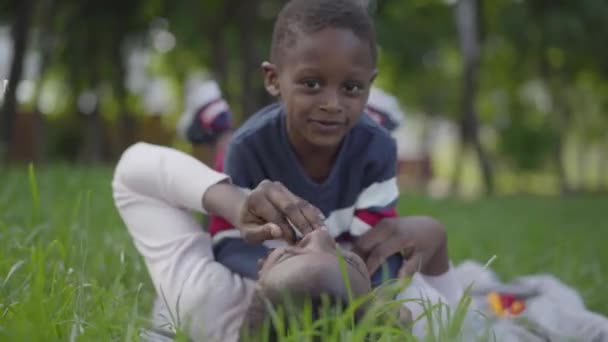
68 270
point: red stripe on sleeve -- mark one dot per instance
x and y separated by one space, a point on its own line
373 217
218 224
218 163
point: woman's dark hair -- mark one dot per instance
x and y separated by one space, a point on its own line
259 320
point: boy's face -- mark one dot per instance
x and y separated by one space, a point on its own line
323 82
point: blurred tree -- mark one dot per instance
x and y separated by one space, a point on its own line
555 41
534 71
94 55
45 18
467 18
20 30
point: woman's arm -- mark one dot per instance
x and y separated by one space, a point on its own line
154 189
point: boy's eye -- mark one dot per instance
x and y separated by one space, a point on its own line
311 84
353 87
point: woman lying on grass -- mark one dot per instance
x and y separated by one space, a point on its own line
155 188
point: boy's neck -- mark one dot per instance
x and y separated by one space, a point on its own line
317 161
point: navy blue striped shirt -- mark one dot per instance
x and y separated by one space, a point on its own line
360 190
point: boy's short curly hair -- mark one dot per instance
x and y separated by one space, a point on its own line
310 16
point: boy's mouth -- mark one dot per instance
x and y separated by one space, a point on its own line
326 125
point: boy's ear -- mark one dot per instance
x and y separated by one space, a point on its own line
271 79
374 75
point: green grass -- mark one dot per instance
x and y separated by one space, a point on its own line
69 272
563 236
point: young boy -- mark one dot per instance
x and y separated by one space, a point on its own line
316 140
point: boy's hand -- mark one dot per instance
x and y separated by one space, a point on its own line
270 210
421 240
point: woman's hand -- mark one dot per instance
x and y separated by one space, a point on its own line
421 240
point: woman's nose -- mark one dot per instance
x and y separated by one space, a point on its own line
318 240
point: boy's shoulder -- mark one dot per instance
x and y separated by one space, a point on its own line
263 122
374 130
367 135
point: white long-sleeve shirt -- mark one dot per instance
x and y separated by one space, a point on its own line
155 190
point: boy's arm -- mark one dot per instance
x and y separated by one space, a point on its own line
236 158
423 243
378 200
245 172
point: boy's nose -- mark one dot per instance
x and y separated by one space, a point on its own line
331 104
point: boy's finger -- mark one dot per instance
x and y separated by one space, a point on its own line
313 215
374 260
300 213
370 241
374 241
266 212
296 231
382 251
294 215
287 233
411 266
259 234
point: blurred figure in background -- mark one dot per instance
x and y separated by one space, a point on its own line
207 121
414 162
384 109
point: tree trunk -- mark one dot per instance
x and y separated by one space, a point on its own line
562 116
581 166
248 56
467 15
472 127
558 156
219 59
459 159
126 122
603 166
39 124
426 173
20 33
93 148
47 11
219 47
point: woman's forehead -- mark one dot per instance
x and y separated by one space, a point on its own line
312 271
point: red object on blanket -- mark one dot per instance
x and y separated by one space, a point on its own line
505 304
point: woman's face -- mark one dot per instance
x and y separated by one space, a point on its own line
313 266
